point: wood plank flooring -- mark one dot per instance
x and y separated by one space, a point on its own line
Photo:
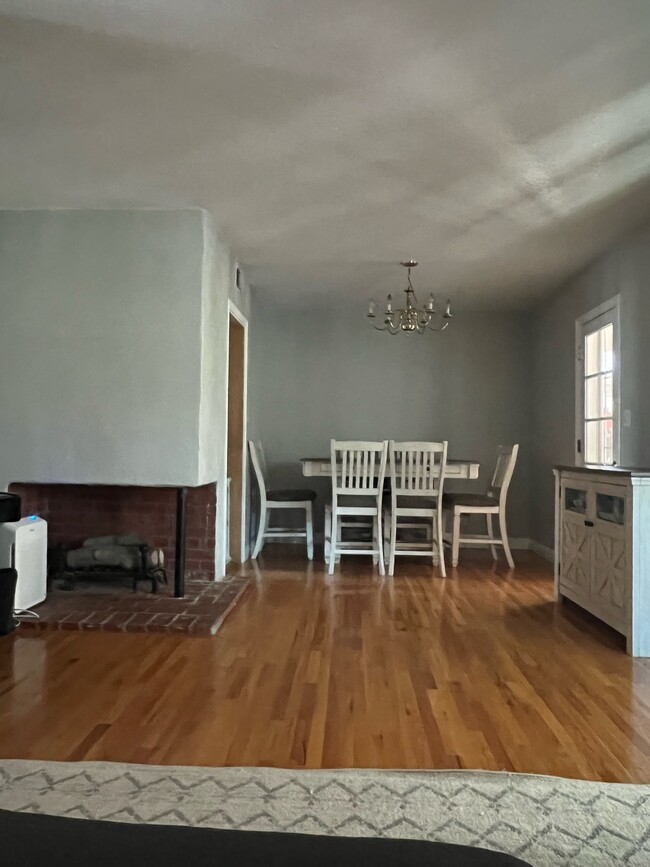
481 670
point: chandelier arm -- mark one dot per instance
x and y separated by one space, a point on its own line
442 327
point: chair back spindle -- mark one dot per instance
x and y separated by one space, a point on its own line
417 469
503 470
259 467
358 468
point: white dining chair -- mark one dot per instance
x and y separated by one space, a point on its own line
358 472
489 504
271 500
417 474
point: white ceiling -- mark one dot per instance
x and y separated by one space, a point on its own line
503 143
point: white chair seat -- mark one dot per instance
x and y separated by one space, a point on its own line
298 495
367 511
452 501
406 504
414 512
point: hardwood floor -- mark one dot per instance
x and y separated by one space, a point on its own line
480 670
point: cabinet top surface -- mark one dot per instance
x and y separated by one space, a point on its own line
613 471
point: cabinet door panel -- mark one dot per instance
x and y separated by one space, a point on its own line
575 555
609 576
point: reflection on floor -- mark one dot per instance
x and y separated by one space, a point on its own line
481 670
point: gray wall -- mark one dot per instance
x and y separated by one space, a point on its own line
624 270
100 314
318 373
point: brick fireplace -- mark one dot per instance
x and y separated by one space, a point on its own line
75 512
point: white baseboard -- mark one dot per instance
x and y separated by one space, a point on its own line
533 545
543 550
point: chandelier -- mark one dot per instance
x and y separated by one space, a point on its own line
410 318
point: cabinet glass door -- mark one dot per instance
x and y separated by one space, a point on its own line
610 508
575 500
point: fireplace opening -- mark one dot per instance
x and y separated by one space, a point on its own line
118 525
124 559
75 513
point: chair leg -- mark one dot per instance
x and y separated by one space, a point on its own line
504 538
455 539
440 543
386 524
328 534
338 524
375 543
431 537
393 544
490 533
309 529
259 542
334 535
380 545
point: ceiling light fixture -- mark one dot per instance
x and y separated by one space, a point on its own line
410 319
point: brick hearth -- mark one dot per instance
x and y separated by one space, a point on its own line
117 609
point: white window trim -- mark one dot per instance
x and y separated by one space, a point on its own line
613 306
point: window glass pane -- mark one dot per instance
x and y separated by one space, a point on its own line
599 442
593 397
607 394
599 397
592 353
607 442
592 442
607 348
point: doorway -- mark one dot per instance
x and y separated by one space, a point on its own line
237 375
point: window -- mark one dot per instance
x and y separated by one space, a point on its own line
597 385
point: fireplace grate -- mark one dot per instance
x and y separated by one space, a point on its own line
68 575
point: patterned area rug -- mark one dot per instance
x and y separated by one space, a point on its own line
547 821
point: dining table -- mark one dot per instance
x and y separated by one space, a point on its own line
456 468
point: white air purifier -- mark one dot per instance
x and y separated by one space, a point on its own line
23 546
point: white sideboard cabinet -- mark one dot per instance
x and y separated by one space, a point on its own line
602 547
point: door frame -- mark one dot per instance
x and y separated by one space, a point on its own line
238 316
612 307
